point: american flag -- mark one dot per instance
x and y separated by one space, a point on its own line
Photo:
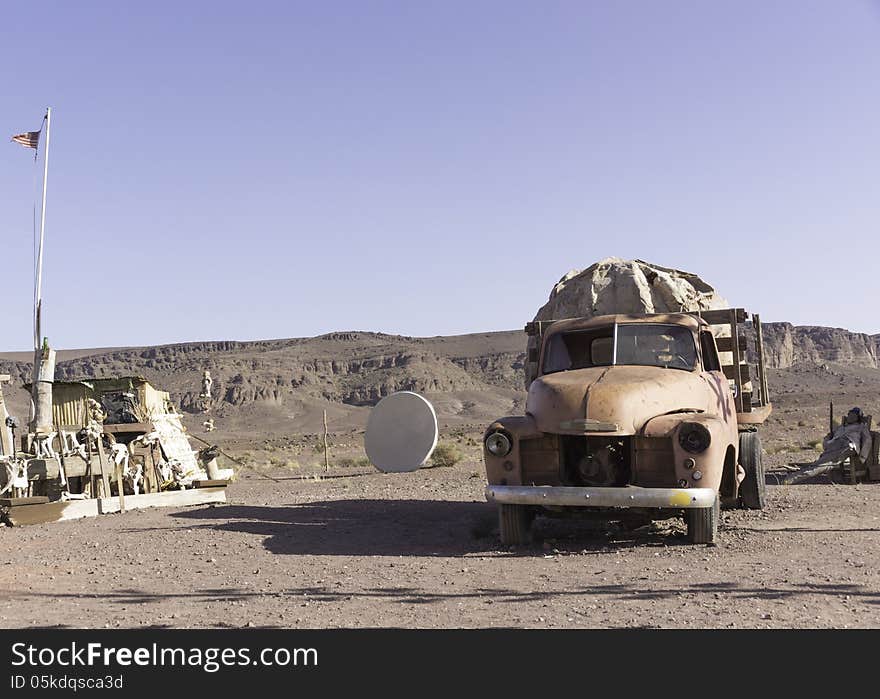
29 139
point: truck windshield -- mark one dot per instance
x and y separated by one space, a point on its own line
640 344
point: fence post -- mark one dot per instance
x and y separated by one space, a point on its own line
326 447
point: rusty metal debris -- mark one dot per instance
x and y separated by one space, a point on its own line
850 447
110 438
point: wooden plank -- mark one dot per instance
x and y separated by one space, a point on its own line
74 467
17 502
147 455
77 509
725 344
723 316
326 446
89 486
43 469
755 417
103 466
127 427
120 488
210 484
154 470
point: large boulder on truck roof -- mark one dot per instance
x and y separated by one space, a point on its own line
614 285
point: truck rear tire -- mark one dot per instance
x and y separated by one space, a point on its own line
514 524
753 489
702 523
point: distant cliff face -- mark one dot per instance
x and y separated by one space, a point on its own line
354 368
786 345
360 368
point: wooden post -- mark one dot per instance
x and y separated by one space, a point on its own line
62 467
7 443
326 447
89 488
119 487
152 471
102 464
737 378
762 369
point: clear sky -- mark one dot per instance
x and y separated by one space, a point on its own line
231 170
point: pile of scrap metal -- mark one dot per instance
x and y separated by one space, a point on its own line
852 447
113 444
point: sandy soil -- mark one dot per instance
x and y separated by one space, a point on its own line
363 549
360 548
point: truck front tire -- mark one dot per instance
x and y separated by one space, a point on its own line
702 523
514 524
753 489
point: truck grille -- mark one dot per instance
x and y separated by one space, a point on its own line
653 462
646 462
539 459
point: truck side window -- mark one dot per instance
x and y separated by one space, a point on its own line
710 352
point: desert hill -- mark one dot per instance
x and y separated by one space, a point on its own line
273 387
273 384
267 384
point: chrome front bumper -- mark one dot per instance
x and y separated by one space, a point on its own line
629 496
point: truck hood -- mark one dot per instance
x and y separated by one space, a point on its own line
598 399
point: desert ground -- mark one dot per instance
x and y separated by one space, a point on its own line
299 547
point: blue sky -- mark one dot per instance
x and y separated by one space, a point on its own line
279 169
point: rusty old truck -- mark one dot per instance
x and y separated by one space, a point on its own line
634 416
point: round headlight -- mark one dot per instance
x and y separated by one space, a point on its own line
694 437
498 444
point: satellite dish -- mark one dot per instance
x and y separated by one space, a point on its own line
401 432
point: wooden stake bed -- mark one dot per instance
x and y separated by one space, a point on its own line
21 511
752 395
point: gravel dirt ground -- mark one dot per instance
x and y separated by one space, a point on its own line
356 548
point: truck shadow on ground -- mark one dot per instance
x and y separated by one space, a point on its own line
409 528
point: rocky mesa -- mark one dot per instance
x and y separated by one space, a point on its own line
468 375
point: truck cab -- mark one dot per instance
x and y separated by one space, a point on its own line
629 412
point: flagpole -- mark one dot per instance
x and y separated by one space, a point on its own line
39 281
41 423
